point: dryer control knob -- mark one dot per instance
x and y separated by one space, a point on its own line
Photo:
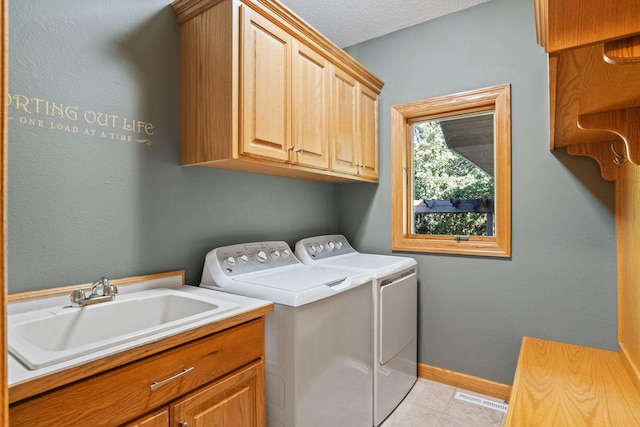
331 246
286 253
230 260
261 256
243 259
275 254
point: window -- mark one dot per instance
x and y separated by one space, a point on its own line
451 174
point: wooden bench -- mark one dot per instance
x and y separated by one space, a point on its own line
558 384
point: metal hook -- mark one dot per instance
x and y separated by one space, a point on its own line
619 159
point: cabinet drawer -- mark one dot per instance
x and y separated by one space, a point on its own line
121 394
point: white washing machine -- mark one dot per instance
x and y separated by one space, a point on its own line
319 339
395 296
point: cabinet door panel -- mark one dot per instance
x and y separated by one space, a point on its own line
237 400
266 108
157 419
344 131
368 133
311 103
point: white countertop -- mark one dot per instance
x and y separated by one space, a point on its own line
17 372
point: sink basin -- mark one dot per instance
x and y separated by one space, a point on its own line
45 337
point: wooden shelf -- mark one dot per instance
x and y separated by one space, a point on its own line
594 89
558 384
594 65
568 24
582 83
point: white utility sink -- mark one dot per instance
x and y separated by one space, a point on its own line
45 337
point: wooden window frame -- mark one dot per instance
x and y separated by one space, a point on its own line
496 99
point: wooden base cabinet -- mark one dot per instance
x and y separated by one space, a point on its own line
258 94
215 380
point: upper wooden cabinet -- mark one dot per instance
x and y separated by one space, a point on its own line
258 93
594 69
266 94
354 126
368 138
310 114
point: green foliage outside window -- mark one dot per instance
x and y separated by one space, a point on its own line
442 174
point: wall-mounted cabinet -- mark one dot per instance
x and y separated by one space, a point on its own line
594 64
259 93
354 125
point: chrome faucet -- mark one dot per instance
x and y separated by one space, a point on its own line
107 288
109 291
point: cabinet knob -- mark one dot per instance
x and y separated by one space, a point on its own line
183 424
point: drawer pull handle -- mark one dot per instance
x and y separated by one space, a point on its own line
183 424
156 384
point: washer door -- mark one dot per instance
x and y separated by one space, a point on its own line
398 315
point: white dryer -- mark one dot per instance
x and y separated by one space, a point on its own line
319 339
395 295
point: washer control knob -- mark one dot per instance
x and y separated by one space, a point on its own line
243 259
286 253
261 256
230 261
339 245
320 248
275 254
312 248
331 246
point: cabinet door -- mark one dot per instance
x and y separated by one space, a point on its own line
265 109
344 117
368 143
311 106
237 400
157 419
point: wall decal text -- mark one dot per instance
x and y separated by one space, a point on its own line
46 114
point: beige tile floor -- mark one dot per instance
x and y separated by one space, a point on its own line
431 404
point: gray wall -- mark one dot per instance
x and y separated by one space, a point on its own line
84 205
560 282
83 202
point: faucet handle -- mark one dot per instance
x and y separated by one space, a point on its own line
110 290
77 295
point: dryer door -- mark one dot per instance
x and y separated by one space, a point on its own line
398 315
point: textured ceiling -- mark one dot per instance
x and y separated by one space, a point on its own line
347 22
